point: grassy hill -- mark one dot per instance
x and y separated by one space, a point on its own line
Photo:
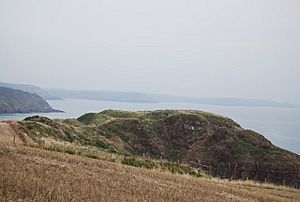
67 160
16 101
215 144
33 174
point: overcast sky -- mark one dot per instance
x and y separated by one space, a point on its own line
210 48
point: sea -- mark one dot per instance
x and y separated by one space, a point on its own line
280 125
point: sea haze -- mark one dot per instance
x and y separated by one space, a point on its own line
280 125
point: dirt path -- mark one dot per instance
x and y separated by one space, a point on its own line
8 134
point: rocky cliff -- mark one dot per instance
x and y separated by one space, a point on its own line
16 101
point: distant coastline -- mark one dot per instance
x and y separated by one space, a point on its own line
139 97
17 101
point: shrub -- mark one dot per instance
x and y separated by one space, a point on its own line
179 169
139 163
101 144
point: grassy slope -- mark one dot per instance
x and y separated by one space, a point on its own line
218 142
34 174
31 174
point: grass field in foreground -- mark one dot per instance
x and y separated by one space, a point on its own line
32 174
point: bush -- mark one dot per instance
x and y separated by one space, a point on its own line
139 163
101 144
165 166
179 169
70 150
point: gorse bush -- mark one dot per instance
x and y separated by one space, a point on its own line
179 169
164 166
131 161
101 144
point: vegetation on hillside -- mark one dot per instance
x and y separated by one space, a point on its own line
32 174
213 143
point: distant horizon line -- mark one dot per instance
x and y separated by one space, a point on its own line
192 99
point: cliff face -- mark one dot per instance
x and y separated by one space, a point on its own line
16 101
214 143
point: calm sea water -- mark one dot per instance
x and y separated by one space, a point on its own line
280 125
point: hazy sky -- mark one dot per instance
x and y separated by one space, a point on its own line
182 47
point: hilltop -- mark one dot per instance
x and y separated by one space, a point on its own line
16 101
213 143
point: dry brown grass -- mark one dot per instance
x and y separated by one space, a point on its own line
32 174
